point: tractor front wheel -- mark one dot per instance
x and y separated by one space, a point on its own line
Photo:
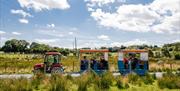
57 70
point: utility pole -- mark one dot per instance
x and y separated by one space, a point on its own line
75 45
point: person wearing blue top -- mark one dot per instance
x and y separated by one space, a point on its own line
84 63
93 63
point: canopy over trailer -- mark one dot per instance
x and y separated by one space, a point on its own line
98 66
133 61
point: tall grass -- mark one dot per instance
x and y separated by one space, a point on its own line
89 82
20 84
170 81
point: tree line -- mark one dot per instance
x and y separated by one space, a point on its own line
22 46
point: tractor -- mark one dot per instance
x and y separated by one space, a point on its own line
51 64
133 61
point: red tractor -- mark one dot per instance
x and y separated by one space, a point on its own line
51 64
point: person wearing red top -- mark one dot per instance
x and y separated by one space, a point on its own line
125 60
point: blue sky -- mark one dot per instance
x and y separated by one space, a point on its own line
95 23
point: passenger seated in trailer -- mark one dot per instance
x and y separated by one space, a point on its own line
125 60
93 63
134 60
103 64
84 63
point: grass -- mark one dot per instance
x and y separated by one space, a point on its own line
86 82
23 63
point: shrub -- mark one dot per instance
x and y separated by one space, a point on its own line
177 56
37 79
170 81
134 79
69 77
120 84
83 82
58 83
148 79
20 84
104 81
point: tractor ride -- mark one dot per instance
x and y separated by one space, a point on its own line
98 66
51 64
133 61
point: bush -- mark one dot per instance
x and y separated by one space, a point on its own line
104 81
20 84
37 79
134 79
58 83
169 81
83 82
148 79
177 56
120 84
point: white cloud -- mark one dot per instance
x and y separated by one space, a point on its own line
2 32
71 33
51 42
21 12
46 40
50 25
160 16
25 21
16 33
103 37
100 3
39 5
53 33
129 43
176 40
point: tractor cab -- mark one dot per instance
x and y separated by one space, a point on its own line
135 61
51 64
98 64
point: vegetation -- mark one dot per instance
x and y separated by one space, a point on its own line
20 57
89 82
170 81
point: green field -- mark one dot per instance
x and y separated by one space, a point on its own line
23 64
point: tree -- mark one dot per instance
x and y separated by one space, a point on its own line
65 51
151 54
39 48
165 52
15 45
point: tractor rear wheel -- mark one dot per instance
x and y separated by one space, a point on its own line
57 70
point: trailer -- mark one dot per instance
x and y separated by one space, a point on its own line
133 61
98 66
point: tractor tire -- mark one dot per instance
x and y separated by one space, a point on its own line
57 70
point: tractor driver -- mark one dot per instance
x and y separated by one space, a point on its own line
55 58
49 62
133 60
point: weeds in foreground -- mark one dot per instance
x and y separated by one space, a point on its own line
170 81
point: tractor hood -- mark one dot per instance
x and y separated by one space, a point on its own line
39 65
